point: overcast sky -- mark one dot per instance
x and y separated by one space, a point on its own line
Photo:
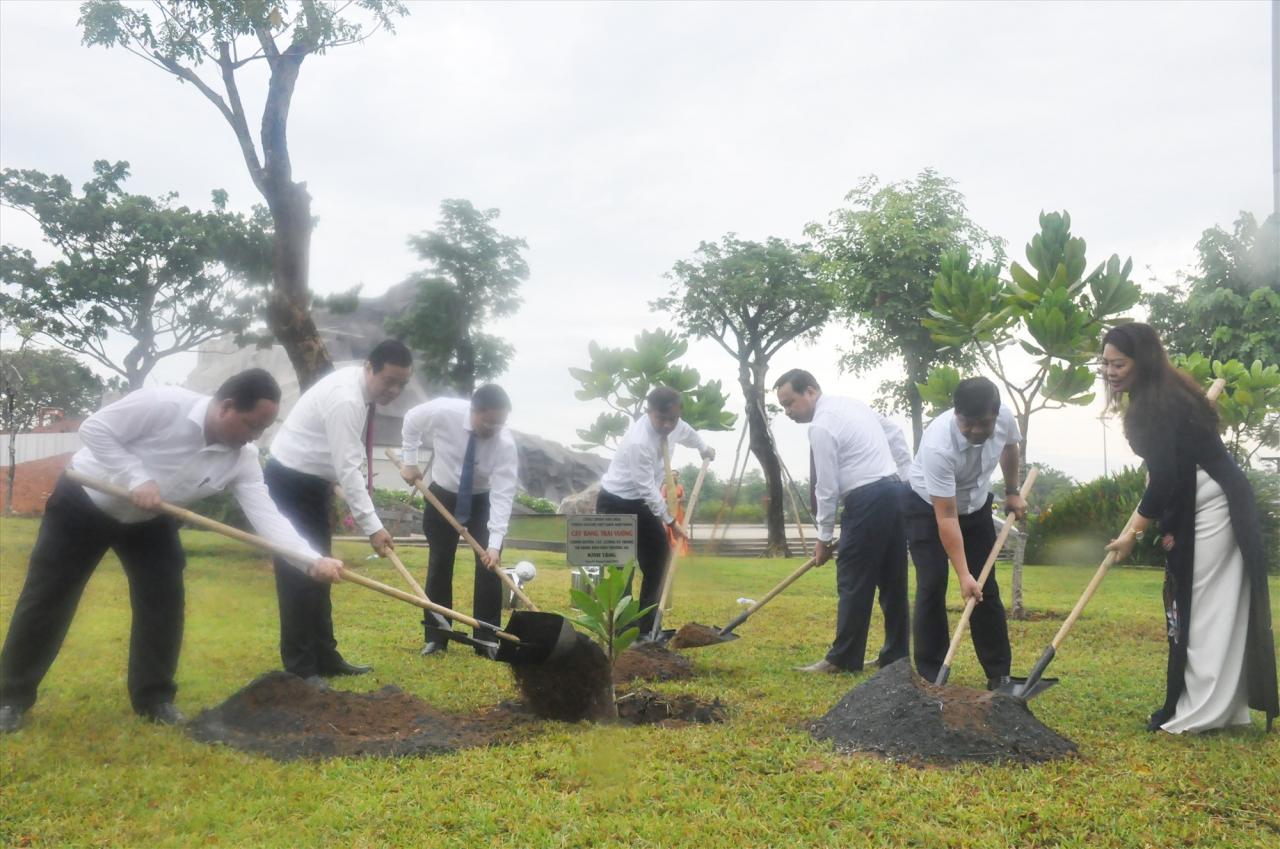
615 137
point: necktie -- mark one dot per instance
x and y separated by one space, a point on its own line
466 480
368 448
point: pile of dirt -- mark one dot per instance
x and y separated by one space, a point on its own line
645 707
694 635
571 687
898 715
651 662
283 717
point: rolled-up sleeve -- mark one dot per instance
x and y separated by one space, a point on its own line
502 489
267 520
939 474
344 428
827 486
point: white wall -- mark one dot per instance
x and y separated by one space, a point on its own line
37 446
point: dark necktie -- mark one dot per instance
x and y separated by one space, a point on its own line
368 448
466 480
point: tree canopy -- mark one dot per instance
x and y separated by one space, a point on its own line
473 276
165 276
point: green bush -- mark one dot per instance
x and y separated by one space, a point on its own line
389 497
537 505
1076 526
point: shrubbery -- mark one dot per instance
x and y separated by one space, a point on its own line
537 505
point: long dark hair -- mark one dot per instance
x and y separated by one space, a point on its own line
1160 396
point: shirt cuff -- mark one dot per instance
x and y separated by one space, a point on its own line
496 540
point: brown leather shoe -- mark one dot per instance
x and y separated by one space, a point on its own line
822 666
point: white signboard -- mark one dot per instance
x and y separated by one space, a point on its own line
600 539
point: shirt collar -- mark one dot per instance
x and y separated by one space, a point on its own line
196 416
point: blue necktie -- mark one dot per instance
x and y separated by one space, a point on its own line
465 481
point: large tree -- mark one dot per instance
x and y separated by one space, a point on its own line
1226 309
472 276
165 276
882 253
181 37
39 383
752 299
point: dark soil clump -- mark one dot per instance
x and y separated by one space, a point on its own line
283 717
651 662
694 635
572 687
900 716
645 707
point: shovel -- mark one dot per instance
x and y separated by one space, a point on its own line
1027 688
466 535
657 634
531 637
987 567
703 636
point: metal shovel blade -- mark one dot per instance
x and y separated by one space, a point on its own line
543 636
1015 686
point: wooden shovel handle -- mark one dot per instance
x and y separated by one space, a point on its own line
668 579
284 551
1032 474
1215 389
782 585
466 535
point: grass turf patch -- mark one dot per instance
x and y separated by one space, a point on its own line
85 772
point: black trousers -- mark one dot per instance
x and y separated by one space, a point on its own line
442 541
653 549
307 644
872 555
73 537
988 626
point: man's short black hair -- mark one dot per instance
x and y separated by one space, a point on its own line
491 396
976 397
247 388
664 399
391 351
799 379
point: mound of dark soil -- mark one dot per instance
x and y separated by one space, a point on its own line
694 635
651 662
281 716
571 687
900 716
645 707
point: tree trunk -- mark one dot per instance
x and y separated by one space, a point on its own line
289 310
916 373
1016 608
762 447
13 455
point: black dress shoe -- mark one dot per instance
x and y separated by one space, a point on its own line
165 713
344 668
11 718
995 683
430 648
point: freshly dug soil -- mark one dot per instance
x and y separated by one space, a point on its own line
572 687
900 716
645 707
283 717
651 662
695 635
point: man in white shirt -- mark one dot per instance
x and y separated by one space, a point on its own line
632 486
326 438
474 474
853 465
949 518
163 444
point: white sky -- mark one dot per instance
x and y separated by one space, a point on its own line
614 137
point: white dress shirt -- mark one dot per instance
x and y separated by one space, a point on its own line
948 465
445 425
897 446
323 435
850 449
158 435
637 468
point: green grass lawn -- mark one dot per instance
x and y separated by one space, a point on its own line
85 772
